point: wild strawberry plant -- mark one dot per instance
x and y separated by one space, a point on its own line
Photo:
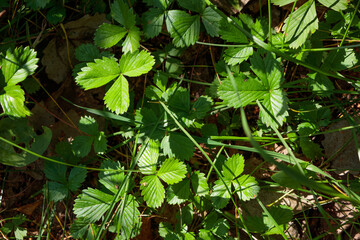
161 131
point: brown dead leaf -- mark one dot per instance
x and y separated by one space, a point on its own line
28 209
56 59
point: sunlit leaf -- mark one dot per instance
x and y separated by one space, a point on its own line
132 40
152 190
148 160
128 220
276 106
178 192
199 183
98 74
172 171
107 35
117 98
178 146
112 179
237 55
18 64
300 24
220 196
92 204
336 5
185 29
12 101
211 20
233 167
246 187
244 91
136 64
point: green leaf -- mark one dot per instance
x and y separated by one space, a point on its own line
185 216
55 172
220 196
237 55
314 113
23 134
178 146
165 228
57 191
152 190
211 20
39 145
162 4
98 74
199 183
146 119
245 91
107 35
20 233
216 224
336 5
282 2
268 70
233 167
255 224
178 192
36 4
206 234
18 64
180 101
320 84
185 29
153 22
88 125
121 12
300 24
56 15
82 145
30 85
259 28
87 52
172 171
132 40
111 179
340 59
128 218
79 227
91 204
196 6
100 143
136 64
309 148
201 107
148 160
246 187
12 101
117 98
76 178
230 33
285 180
276 106
281 214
